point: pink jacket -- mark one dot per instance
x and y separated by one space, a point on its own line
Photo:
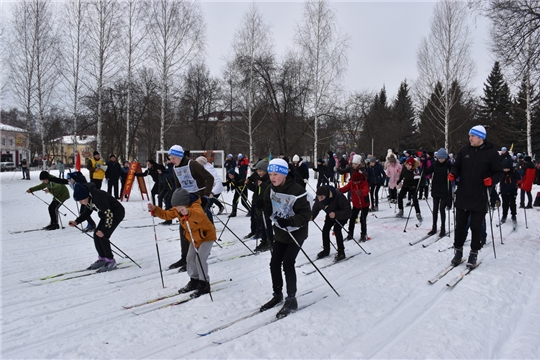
393 171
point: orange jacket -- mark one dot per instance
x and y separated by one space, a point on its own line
202 228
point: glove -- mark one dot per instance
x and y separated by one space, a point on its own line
306 181
283 223
451 177
259 204
488 182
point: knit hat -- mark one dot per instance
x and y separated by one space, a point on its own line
323 191
410 161
504 148
176 150
356 176
507 164
296 158
441 154
279 166
262 165
180 197
43 175
112 156
357 159
372 159
240 156
80 192
232 171
479 131
230 156
202 160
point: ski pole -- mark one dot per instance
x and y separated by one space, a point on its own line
81 230
491 224
525 212
243 243
47 202
408 217
331 243
357 243
315 266
500 228
268 233
197 253
219 239
157 248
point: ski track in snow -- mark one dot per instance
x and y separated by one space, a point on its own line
386 308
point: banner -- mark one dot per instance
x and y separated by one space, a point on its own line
78 162
134 167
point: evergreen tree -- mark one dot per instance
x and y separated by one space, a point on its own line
518 131
430 128
378 126
495 110
403 118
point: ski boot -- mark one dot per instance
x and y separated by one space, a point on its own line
290 306
109 265
179 263
96 265
443 232
339 256
323 254
471 262
458 255
204 288
399 214
276 300
193 284
433 231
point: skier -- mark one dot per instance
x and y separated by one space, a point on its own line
338 211
393 172
322 170
529 173
110 212
411 177
242 163
235 183
194 178
300 171
217 189
479 168
290 211
259 188
71 179
59 192
358 189
187 208
376 177
441 192
230 163
508 190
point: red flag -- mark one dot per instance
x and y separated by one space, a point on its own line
78 162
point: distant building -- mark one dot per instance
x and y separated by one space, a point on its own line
63 148
14 143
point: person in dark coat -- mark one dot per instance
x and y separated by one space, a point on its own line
376 178
411 176
112 174
152 170
110 212
508 189
505 154
441 190
478 168
259 185
230 163
331 164
322 170
290 211
300 171
338 210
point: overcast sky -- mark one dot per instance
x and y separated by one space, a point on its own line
384 38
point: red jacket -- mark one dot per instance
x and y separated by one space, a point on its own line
528 178
359 190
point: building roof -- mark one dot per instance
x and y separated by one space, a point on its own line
81 140
4 127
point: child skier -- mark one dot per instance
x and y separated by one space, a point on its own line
287 203
199 231
59 192
440 189
508 190
358 189
110 212
411 177
338 210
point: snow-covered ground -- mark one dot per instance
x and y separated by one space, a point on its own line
386 308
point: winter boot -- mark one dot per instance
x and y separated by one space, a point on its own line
443 232
503 220
99 263
276 299
179 263
221 209
182 268
232 214
339 256
419 217
349 237
399 214
193 284
249 236
52 227
323 254
514 220
472 259
110 265
458 255
528 206
433 231
408 204
204 288
290 306
363 238
263 246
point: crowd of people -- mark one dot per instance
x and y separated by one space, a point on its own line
279 206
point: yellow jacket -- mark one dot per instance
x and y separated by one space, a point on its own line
202 228
94 169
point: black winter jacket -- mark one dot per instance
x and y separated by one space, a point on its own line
440 186
472 166
110 211
337 203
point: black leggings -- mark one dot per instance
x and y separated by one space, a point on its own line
509 201
328 224
476 223
374 194
103 244
284 254
522 198
412 194
53 211
363 224
439 205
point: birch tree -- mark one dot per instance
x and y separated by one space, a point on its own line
176 37
103 36
324 51
252 43
515 36
444 56
73 53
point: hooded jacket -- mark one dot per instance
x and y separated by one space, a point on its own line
335 202
110 211
359 191
440 186
56 189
